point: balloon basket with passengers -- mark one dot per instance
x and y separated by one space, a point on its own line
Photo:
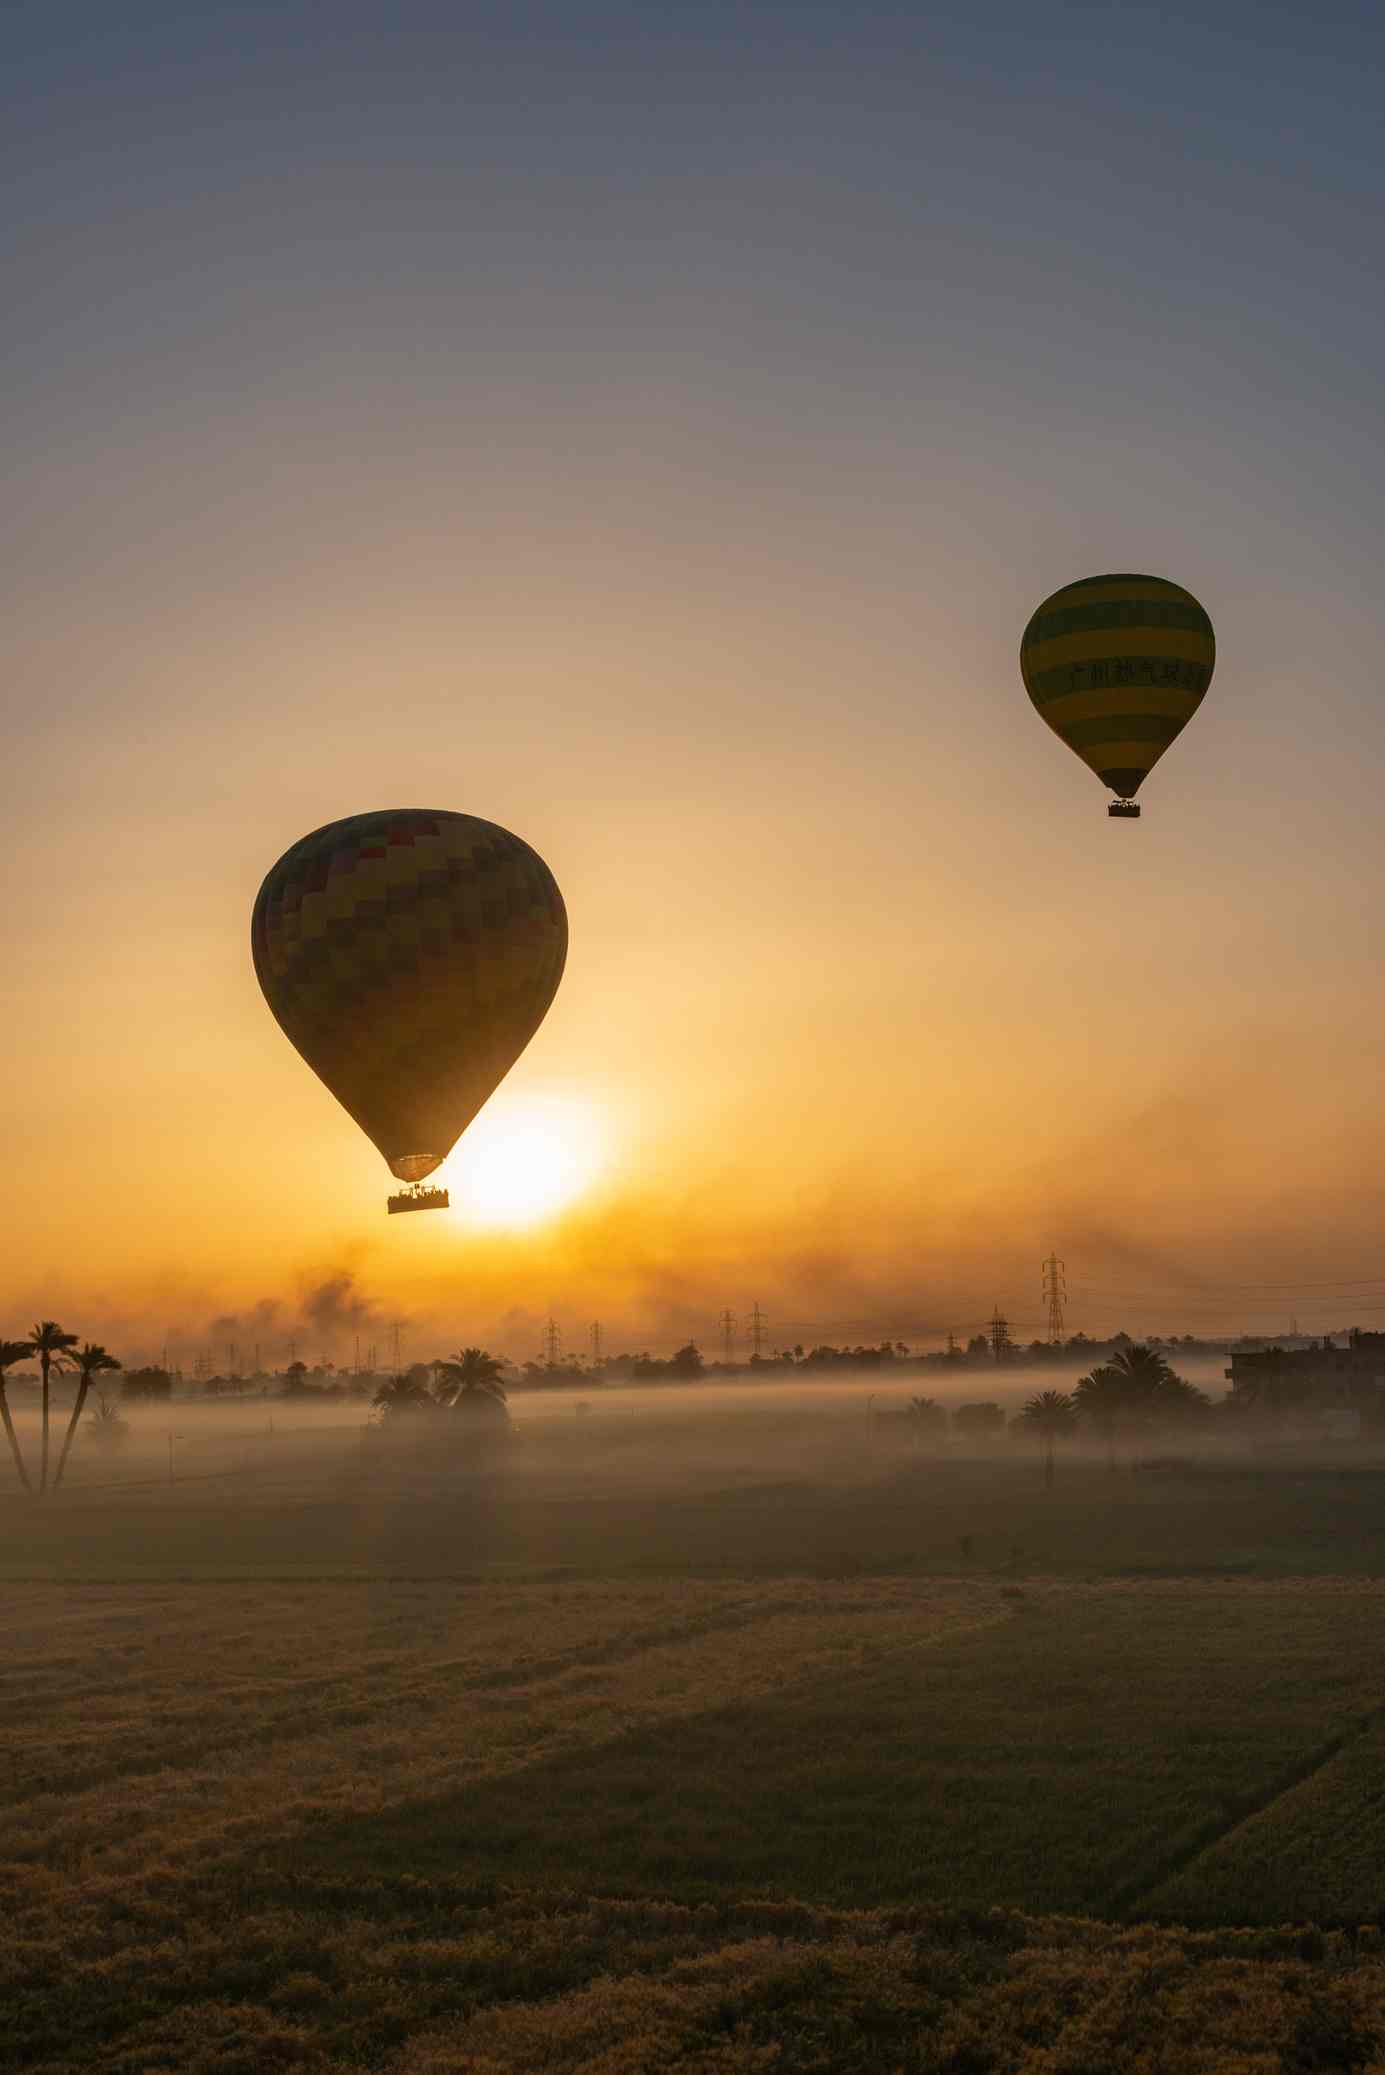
419 1197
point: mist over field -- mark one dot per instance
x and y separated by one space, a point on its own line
341 1733
773 1470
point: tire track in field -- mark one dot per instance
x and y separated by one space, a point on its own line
1124 1901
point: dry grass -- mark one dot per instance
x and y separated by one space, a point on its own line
164 1739
617 1824
755 1989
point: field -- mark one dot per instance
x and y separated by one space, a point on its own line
692 1748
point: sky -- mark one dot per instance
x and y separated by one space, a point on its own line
650 428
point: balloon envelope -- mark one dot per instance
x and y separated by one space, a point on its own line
1117 665
410 957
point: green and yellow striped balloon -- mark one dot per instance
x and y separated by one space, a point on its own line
1117 665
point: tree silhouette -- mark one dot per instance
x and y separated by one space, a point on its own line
12 1351
468 1378
400 1395
1050 1415
983 1417
50 1344
148 1383
1143 1369
1101 1397
1134 1391
89 1361
107 1426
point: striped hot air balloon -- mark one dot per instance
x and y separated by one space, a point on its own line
1117 665
410 957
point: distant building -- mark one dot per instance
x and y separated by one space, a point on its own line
1338 1390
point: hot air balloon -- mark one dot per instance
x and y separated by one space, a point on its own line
410 957
1117 665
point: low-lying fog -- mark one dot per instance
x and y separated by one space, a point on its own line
663 1435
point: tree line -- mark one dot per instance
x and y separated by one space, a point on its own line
1133 1395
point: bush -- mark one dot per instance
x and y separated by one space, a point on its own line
105 1425
136 1384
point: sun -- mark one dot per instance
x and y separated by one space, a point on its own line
524 1161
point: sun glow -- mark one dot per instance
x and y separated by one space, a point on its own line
525 1162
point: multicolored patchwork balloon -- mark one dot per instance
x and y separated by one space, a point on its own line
410 957
1117 666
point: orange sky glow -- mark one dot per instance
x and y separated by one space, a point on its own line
674 493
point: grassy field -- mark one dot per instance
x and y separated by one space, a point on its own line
350 1767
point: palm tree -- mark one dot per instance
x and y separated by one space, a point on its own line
469 1379
1178 1399
50 1344
107 1426
1142 1369
1050 1415
1147 1391
90 1361
401 1394
1102 1397
12 1351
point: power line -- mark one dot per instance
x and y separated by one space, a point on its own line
727 1323
755 1332
1210 1289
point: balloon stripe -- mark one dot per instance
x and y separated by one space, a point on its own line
1125 727
1117 675
1095 705
1106 756
1187 644
1183 614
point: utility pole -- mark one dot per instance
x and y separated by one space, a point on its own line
594 1331
756 1333
999 1335
552 1343
396 1328
727 1322
1055 1290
